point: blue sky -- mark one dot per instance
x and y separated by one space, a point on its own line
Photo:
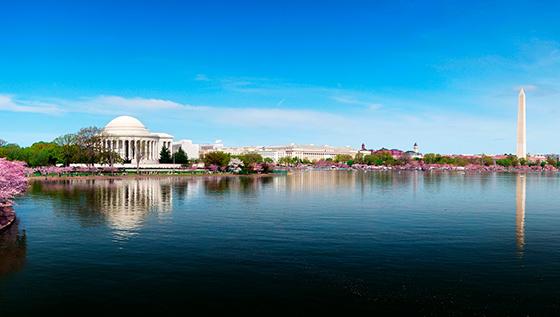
443 74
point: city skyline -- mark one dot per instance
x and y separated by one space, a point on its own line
270 74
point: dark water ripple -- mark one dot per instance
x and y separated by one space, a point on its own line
395 243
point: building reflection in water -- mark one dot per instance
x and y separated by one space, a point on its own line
13 249
126 205
311 181
123 204
521 184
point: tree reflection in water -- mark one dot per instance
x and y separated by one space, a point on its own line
13 249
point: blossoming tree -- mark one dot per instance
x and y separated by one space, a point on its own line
12 181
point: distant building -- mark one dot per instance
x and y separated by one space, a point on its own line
192 150
395 153
311 152
536 157
303 151
415 153
211 147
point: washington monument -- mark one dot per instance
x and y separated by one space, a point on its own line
521 128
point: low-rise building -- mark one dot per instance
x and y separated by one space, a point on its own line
192 150
395 153
218 145
311 152
302 151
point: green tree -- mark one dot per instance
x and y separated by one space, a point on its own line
379 158
514 160
110 157
165 156
342 158
13 152
217 158
402 160
285 160
506 162
461 161
180 157
69 151
432 158
250 158
551 161
487 160
359 158
89 141
42 154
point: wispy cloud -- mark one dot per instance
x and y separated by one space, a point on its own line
349 100
136 103
257 125
9 103
201 77
116 105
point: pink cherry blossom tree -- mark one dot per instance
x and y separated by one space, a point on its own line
12 181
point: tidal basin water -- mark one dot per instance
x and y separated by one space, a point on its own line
321 241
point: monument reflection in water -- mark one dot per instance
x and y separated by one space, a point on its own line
520 195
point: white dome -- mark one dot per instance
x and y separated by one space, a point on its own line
126 125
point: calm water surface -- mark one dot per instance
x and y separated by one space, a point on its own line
326 241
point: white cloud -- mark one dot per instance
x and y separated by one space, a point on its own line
8 103
398 124
350 100
137 103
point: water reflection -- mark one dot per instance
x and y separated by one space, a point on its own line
353 239
126 203
227 184
13 249
123 203
521 184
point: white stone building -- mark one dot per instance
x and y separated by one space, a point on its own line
128 137
306 151
192 150
311 152
211 147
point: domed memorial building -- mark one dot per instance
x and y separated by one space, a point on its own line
128 137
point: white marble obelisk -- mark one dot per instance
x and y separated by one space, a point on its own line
521 128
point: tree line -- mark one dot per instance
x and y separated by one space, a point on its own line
84 146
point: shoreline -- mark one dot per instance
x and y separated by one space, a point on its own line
209 175
7 218
142 176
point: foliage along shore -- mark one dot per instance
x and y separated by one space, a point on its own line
114 173
12 183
